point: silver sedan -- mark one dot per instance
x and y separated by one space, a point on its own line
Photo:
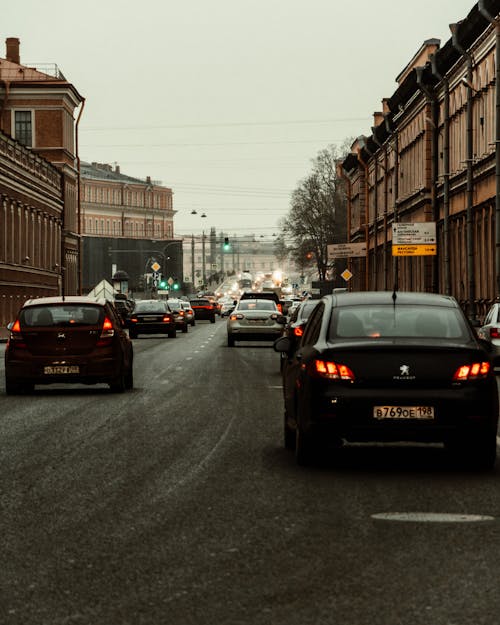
490 331
254 320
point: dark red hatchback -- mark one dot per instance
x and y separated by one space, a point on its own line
68 340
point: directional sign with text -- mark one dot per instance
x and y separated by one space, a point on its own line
414 239
345 250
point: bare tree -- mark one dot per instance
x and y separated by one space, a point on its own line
317 215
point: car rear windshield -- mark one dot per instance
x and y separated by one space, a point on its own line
62 315
257 304
145 307
415 321
201 302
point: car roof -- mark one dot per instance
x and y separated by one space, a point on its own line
359 298
67 299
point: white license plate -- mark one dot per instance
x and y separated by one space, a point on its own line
403 412
61 369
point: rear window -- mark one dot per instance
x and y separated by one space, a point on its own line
67 315
257 304
142 307
201 302
382 321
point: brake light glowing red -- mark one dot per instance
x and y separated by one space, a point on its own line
107 333
495 333
299 331
16 338
332 370
16 327
474 371
166 319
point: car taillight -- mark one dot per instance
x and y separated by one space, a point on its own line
475 371
16 337
299 331
495 333
235 317
107 333
181 313
332 370
166 319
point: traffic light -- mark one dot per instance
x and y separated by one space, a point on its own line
226 246
175 285
163 283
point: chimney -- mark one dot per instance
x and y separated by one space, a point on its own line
117 169
12 48
148 179
378 118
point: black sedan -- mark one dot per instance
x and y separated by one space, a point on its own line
151 316
390 367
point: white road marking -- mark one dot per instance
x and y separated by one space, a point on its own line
431 517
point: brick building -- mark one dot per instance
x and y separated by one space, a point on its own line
40 243
433 155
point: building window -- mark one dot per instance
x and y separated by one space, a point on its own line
23 127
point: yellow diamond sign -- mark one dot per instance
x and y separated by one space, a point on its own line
155 266
346 274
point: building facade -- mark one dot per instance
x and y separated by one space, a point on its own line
39 226
130 217
433 155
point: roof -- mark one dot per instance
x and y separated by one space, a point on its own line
70 299
103 171
358 298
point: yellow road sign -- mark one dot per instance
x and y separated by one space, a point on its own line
414 250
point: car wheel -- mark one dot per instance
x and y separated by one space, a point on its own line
129 378
118 384
230 340
288 435
185 328
303 448
172 334
212 319
133 335
192 323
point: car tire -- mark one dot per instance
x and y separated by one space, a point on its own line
132 335
172 334
212 319
129 378
192 323
118 384
288 435
230 340
303 448
184 328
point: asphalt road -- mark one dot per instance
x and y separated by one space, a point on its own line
177 504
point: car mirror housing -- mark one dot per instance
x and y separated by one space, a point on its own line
283 344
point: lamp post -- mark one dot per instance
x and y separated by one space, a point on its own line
203 260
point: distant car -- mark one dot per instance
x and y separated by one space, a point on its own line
294 328
203 309
151 316
254 320
188 312
68 340
227 306
381 367
490 331
176 306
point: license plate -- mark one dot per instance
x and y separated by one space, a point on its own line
61 369
403 412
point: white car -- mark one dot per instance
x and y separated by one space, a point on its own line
255 320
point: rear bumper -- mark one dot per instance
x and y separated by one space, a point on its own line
350 416
92 370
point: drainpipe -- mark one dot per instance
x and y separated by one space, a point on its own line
470 181
431 97
367 258
79 203
6 84
446 175
395 191
494 21
384 244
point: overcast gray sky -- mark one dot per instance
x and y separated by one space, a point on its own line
226 101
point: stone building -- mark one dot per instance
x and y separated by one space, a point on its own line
433 156
39 198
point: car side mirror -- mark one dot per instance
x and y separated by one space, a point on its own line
281 319
282 345
10 326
